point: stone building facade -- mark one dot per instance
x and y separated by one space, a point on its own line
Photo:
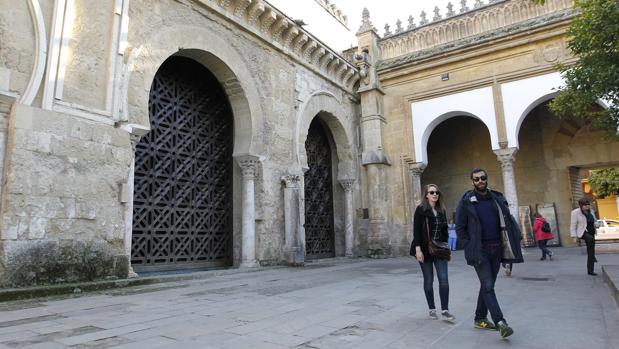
143 135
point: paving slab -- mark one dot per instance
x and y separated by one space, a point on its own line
336 303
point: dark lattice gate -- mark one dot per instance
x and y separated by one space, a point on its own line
182 202
319 235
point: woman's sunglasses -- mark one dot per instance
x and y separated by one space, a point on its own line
432 192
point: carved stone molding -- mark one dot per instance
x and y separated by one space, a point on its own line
273 26
484 18
248 165
347 184
506 157
291 181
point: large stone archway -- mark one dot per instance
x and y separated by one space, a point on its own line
230 69
219 57
182 197
339 122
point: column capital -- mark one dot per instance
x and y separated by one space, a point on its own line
416 168
347 184
506 156
248 165
291 180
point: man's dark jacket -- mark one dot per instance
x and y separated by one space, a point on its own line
468 228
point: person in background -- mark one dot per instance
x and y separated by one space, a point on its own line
542 237
582 226
453 238
430 221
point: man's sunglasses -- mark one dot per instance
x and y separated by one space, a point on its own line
432 192
480 178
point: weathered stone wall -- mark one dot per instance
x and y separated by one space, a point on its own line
457 145
88 64
17 48
61 214
275 86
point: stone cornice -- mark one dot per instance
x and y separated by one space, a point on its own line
484 22
421 67
503 32
278 30
334 11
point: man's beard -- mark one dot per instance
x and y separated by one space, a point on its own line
481 186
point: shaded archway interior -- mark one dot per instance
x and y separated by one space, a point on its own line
182 204
456 146
554 156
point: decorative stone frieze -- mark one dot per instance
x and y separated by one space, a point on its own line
484 18
334 11
309 49
254 11
267 19
276 28
280 25
241 7
289 35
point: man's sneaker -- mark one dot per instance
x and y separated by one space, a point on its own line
432 314
504 329
447 316
484 324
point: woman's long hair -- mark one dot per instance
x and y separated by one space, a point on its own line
425 204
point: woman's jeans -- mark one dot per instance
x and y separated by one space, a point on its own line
542 246
443 282
452 243
487 271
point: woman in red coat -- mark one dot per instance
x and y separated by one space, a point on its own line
541 236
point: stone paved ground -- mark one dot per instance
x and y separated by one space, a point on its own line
332 304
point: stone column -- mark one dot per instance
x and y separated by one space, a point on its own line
249 167
506 157
347 184
293 251
134 138
416 169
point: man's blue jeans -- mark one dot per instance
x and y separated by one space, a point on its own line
443 282
487 272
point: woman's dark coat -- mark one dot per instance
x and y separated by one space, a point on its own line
420 235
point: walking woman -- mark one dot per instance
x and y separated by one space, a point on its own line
542 236
430 220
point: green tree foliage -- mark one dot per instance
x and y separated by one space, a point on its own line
594 40
604 182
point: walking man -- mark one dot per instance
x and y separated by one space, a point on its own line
582 225
483 223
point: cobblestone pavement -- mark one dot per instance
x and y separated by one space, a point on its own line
335 303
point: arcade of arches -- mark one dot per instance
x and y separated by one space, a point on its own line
226 136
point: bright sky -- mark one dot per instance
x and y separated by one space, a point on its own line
381 12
